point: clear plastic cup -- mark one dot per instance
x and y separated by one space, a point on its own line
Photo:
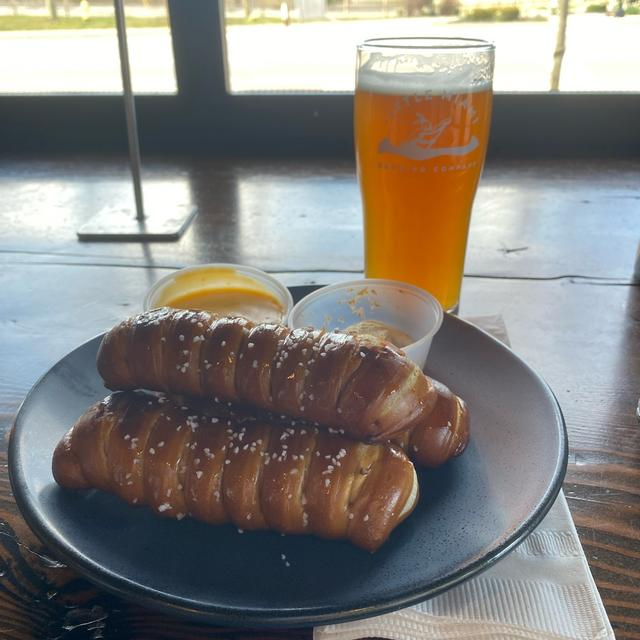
396 304
214 275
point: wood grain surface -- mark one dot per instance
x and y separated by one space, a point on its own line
551 250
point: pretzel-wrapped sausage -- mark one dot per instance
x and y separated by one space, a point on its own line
148 450
443 434
360 384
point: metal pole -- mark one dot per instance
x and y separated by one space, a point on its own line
129 107
635 278
114 222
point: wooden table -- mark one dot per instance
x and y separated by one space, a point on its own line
551 249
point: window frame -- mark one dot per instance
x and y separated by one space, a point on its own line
203 117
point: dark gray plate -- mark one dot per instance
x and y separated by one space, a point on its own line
471 512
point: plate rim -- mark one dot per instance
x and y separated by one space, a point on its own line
281 618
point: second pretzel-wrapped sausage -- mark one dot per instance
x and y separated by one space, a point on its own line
360 385
150 451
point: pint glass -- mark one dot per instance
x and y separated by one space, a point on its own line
422 114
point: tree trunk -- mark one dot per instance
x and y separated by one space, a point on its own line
52 8
558 54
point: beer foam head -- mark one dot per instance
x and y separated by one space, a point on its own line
435 70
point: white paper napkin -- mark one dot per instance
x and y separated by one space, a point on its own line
543 590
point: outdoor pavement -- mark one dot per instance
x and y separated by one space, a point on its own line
603 54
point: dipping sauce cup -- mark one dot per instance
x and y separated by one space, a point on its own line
225 289
403 308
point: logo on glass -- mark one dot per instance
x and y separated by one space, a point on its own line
425 137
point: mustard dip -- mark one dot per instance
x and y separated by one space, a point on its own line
382 331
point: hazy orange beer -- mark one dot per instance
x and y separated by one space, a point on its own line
422 114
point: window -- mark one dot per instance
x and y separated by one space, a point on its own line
217 112
71 47
267 53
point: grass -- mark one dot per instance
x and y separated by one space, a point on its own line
32 23
493 16
257 20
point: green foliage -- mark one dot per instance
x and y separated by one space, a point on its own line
600 7
492 14
481 14
448 7
633 10
509 14
28 23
